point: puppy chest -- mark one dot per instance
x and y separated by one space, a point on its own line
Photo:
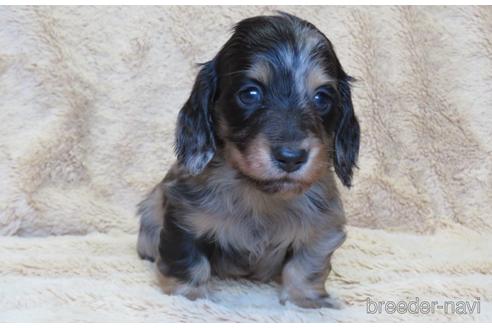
261 264
245 233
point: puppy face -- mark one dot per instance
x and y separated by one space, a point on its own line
276 103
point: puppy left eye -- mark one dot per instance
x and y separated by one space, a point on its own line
323 101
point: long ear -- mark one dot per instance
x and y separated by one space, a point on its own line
195 137
347 134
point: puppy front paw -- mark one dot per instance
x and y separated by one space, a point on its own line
194 288
172 286
190 290
308 300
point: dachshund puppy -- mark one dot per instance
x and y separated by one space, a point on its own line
253 194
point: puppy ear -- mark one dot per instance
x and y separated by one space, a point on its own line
347 134
195 137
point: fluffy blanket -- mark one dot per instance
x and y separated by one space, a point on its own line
88 102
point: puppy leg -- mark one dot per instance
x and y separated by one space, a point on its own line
304 275
182 261
151 211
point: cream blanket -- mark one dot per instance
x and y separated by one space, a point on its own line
88 101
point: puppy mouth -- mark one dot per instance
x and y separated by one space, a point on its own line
271 186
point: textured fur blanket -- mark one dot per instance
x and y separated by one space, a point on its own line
88 102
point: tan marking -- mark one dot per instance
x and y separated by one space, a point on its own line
197 287
172 286
260 71
316 78
256 161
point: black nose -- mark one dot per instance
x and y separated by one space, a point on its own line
289 159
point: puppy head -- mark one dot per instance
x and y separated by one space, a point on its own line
276 103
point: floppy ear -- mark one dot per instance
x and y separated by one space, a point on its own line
195 137
347 134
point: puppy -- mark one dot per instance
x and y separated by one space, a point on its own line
253 194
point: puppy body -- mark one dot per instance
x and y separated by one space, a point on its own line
253 194
239 231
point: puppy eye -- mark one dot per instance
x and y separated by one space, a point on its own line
250 96
323 101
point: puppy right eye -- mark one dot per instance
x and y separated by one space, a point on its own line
250 96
